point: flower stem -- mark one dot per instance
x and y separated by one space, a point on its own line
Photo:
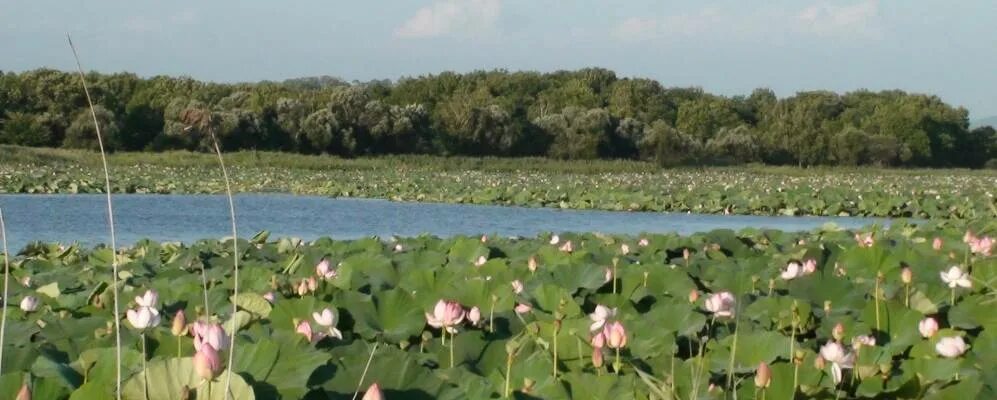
907 295
952 297
145 372
6 285
179 348
875 295
453 339
508 374
555 353
617 365
615 262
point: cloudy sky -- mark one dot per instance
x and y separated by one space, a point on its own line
947 48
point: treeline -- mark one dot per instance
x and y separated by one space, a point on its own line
584 114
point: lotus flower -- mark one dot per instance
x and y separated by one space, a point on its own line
555 239
721 304
600 316
148 299
179 327
793 270
474 316
305 329
446 315
863 340
951 347
865 240
302 288
982 246
312 284
616 335
269 297
956 277
207 363
398 248
597 359
928 327
211 334
838 332
608 275
24 393
327 319
29 304
624 249
809 266
693 295
839 359
936 244
324 270
517 286
373 393
643 242
522 308
532 264
763 375
567 247
143 317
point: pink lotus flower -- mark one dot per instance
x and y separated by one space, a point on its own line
373 393
474 316
982 246
148 299
763 375
179 326
616 335
951 347
517 286
643 242
835 353
207 362
302 288
809 266
211 334
269 297
24 393
863 340
600 316
327 319
523 308
555 239
143 318
446 315
597 358
624 249
928 327
721 304
936 244
324 270
532 264
906 275
693 295
312 284
793 270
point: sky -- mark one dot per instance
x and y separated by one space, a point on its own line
948 48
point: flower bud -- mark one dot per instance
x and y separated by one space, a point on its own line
207 363
819 362
532 264
928 327
936 244
374 391
693 295
179 327
906 275
24 393
597 360
763 376
838 332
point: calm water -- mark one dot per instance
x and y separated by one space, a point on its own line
187 218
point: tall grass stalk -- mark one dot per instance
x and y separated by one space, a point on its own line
235 266
110 222
6 285
365 369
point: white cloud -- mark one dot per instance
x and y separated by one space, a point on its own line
452 17
146 24
821 19
836 20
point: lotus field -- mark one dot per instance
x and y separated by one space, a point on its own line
899 312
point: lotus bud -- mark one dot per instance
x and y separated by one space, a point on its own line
567 247
685 254
312 284
763 376
532 264
26 281
517 286
474 316
936 244
838 332
484 238
819 362
624 249
24 393
374 391
799 356
693 295
928 327
608 275
599 340
643 242
597 360
302 288
951 347
827 307
616 335
906 275
270 297
207 363
528 385
179 327
480 261
522 308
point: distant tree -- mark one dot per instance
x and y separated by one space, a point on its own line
82 135
848 147
704 117
24 129
668 146
577 133
734 146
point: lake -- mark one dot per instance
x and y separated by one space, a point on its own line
187 218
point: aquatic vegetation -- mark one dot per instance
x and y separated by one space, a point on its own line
952 194
706 315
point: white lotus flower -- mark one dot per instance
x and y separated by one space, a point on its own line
327 318
721 304
951 347
29 303
148 299
956 277
555 239
517 286
863 340
143 318
793 270
835 353
600 316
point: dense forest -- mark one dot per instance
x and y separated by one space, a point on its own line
584 114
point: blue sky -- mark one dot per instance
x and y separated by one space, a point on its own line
947 48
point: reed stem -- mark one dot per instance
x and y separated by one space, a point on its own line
110 221
6 283
235 265
365 369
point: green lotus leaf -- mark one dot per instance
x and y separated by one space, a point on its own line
391 315
254 303
170 379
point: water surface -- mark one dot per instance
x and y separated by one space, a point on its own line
83 218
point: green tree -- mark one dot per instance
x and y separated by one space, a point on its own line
82 135
24 129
